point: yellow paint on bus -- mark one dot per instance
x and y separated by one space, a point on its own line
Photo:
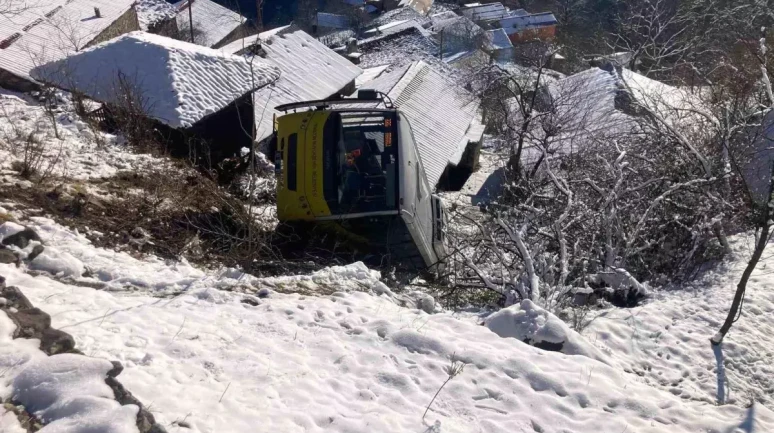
302 198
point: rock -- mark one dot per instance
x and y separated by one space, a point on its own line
251 301
8 257
22 238
117 369
146 423
54 341
15 297
36 251
2 282
30 323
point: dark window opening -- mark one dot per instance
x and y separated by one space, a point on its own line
292 171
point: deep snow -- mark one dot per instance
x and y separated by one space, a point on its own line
224 352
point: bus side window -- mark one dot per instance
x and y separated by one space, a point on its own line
439 220
419 181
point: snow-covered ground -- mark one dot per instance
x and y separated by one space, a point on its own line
79 154
666 341
219 351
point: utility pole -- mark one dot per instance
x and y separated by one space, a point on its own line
259 18
190 19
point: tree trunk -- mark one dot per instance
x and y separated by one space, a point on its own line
760 245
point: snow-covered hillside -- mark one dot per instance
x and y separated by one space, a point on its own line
219 351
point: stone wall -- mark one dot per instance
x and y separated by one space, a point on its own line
126 23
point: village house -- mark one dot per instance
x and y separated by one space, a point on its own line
192 95
213 25
309 71
46 31
444 120
530 27
158 17
520 25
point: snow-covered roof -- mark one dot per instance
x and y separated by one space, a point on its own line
240 46
151 12
48 30
392 28
211 21
498 40
487 12
182 82
443 117
519 23
309 71
421 6
370 74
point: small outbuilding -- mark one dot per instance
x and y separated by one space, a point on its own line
48 30
192 95
213 25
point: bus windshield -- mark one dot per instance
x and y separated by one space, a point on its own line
361 161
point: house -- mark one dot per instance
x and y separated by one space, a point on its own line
487 12
531 27
309 71
189 93
52 29
444 120
157 16
213 25
397 43
456 34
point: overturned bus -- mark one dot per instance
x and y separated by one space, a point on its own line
357 167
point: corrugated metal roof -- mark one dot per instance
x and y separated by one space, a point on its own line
181 82
442 115
309 71
518 24
211 21
333 21
393 28
49 30
498 40
487 12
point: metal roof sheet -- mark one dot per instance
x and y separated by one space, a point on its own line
442 115
487 12
309 71
211 21
49 30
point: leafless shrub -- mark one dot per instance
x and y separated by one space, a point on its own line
602 194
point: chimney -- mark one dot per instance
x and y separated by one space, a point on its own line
97 13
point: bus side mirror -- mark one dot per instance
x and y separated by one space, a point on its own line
367 94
